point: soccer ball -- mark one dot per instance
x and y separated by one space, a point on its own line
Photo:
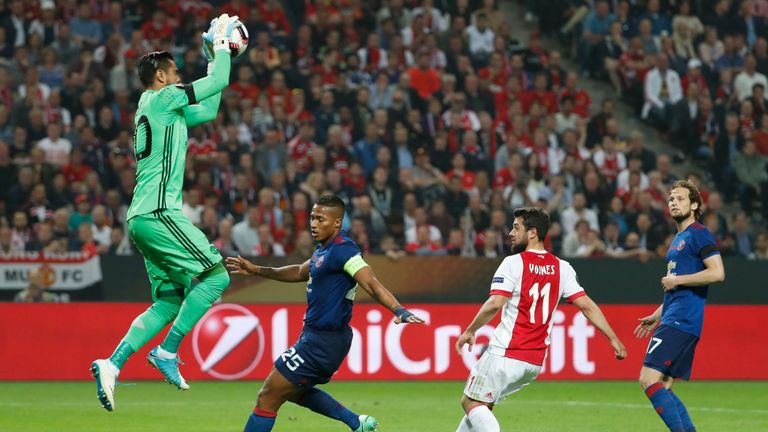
238 42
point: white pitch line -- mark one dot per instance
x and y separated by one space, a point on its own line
631 406
521 401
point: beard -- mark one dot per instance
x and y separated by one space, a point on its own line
682 217
519 247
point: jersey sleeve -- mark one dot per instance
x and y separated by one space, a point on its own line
570 287
175 97
704 244
507 276
354 264
204 111
343 253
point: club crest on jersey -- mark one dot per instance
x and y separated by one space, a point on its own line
681 245
318 260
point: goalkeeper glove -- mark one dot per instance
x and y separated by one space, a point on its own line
222 31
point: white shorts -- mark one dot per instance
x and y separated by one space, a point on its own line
495 377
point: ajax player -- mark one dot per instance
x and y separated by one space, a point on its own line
693 263
174 250
526 288
333 274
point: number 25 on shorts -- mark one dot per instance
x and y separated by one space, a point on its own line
292 359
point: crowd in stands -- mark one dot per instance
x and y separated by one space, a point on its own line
694 69
424 116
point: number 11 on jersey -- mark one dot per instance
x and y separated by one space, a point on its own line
534 293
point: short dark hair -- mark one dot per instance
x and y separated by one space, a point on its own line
148 64
693 194
534 217
332 201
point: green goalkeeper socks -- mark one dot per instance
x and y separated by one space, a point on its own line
144 328
121 354
197 303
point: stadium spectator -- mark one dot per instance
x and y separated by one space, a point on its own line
581 243
345 110
577 211
86 30
726 149
245 233
375 225
42 238
743 238
480 38
424 245
596 27
662 91
36 291
101 231
751 170
745 81
761 247
266 246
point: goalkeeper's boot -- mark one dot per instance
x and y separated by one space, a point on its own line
105 374
169 368
367 424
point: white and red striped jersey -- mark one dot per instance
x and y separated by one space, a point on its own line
534 281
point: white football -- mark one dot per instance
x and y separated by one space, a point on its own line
238 42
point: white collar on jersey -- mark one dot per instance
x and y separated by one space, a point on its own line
536 250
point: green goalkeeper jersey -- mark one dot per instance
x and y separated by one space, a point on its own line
160 136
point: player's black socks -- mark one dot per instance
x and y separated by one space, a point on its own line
323 403
260 421
665 406
684 417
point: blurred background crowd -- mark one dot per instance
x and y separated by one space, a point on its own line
426 117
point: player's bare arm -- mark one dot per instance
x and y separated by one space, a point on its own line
714 272
292 273
649 323
367 280
490 308
595 316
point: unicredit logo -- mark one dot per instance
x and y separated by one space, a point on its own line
228 342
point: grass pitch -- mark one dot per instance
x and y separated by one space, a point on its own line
399 406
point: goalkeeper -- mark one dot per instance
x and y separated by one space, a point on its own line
174 250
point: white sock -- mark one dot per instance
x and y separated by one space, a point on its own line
165 354
483 420
465 425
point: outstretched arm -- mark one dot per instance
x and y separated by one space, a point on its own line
486 313
368 282
207 109
292 273
215 81
595 316
204 111
183 96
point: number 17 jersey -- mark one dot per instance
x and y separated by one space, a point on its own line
534 281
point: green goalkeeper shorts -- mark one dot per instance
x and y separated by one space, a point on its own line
174 250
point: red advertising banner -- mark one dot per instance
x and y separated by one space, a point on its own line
232 341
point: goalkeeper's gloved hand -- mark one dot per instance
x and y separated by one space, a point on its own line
222 31
208 42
